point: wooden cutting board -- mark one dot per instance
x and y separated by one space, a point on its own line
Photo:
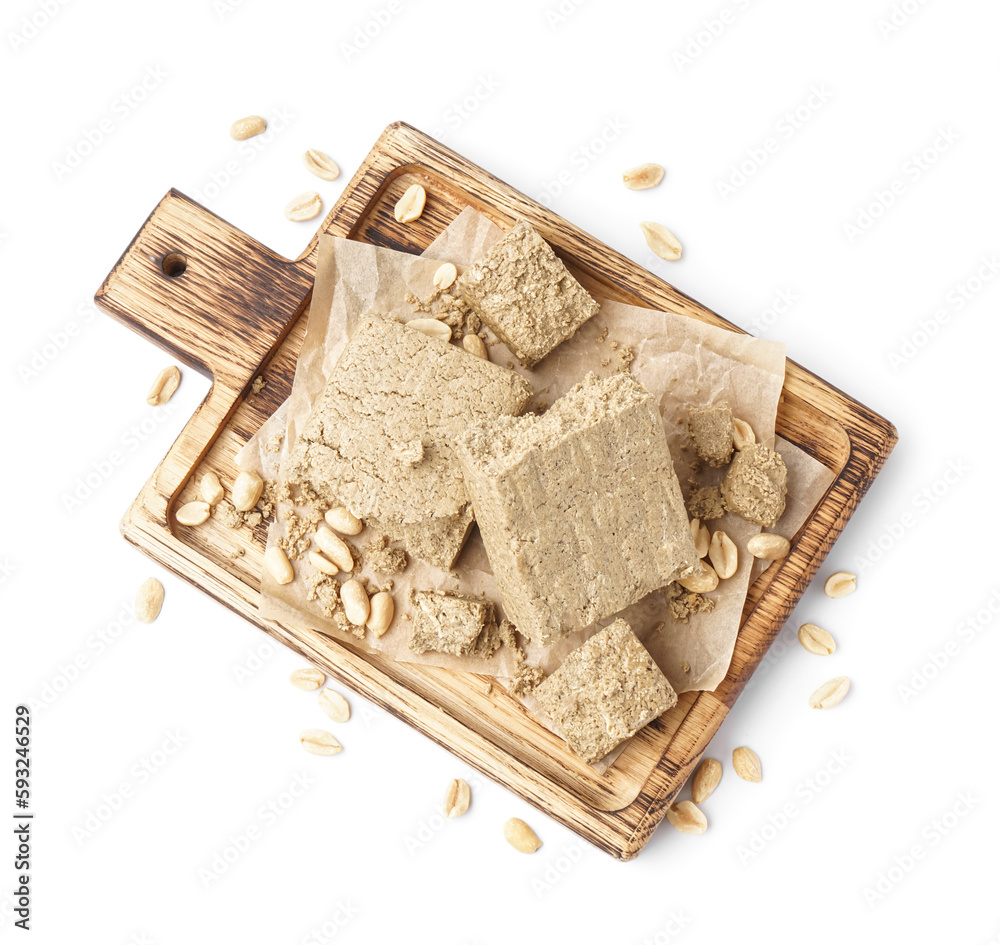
224 304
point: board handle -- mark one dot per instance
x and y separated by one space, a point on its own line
205 291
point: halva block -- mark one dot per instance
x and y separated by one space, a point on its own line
712 433
525 294
756 484
379 439
580 509
604 692
453 623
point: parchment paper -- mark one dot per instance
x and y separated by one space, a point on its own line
680 360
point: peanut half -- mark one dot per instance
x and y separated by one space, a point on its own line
334 705
247 490
211 489
148 600
248 127
701 536
840 584
320 164
305 206
341 520
723 555
354 597
768 546
308 679
431 327
816 640
520 836
318 742
475 346
164 386
445 275
643 176
831 693
323 564
743 434
335 548
278 565
382 610
411 204
706 780
701 580
193 513
687 818
746 764
456 798
661 241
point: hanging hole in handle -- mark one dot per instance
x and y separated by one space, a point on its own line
174 264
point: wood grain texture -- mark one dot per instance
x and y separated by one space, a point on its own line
239 311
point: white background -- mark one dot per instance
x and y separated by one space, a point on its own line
889 801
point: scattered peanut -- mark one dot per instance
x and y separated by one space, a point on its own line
687 818
334 705
706 780
446 274
643 177
702 579
341 520
743 434
723 555
305 206
840 584
431 327
768 546
831 693
520 836
354 597
308 679
320 164
247 490
746 764
211 489
247 127
816 640
383 609
193 513
335 548
411 204
661 241
701 536
164 385
475 346
456 798
317 742
148 600
323 564
278 565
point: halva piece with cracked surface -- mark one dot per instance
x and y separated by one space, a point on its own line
453 623
580 509
711 431
756 484
380 437
526 295
604 692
